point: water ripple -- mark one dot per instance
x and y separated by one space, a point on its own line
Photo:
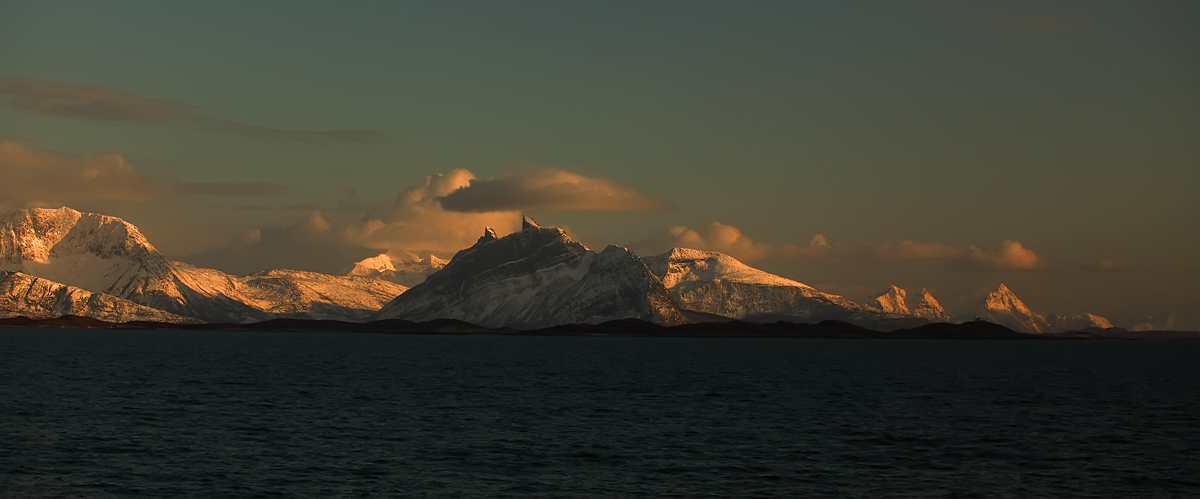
122 413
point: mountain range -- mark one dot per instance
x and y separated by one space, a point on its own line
107 256
60 262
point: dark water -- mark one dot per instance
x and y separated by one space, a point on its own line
162 414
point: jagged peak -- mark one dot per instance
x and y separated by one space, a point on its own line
1002 298
527 222
927 298
929 308
891 300
1002 293
489 234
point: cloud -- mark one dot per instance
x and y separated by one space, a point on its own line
415 223
715 236
311 243
549 189
727 239
1104 266
885 253
97 103
230 189
35 177
31 177
1011 255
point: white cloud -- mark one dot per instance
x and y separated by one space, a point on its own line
1011 255
717 236
415 223
549 189
34 177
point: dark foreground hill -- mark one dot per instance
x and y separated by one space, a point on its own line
624 327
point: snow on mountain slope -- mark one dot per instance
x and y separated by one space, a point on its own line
890 301
537 277
716 283
299 294
929 309
687 268
1071 321
107 255
1004 308
406 272
98 253
36 298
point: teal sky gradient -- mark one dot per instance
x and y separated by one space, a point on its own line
1072 127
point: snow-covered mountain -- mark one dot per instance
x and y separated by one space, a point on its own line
36 298
897 301
1072 321
716 283
929 309
891 301
66 262
407 272
106 255
296 293
1003 307
537 277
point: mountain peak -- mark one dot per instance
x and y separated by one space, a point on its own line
31 234
929 308
1003 307
691 266
527 222
489 234
1003 297
891 301
538 277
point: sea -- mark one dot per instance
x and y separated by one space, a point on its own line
113 413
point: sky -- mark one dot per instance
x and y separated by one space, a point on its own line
953 146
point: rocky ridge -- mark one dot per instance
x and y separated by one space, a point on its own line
537 277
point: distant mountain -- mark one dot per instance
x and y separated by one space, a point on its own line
406 272
897 301
1004 308
534 278
929 309
718 284
1071 321
891 301
63 262
297 294
106 255
23 295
